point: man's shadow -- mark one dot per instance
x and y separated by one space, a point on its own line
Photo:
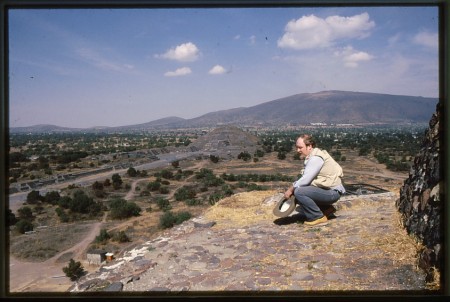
296 218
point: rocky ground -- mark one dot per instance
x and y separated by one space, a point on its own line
238 246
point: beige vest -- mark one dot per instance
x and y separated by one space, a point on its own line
331 172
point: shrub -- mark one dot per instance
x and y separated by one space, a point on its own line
184 193
164 190
169 219
166 174
132 172
74 270
154 186
193 202
97 185
163 204
63 217
121 237
84 204
33 197
215 197
116 181
121 209
102 237
52 197
23 226
245 156
25 212
65 202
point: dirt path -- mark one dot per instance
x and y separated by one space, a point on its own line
48 275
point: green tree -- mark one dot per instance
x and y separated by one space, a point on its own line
184 193
65 202
166 174
214 159
245 156
163 204
132 172
154 186
84 204
116 181
259 153
121 209
52 197
98 186
107 182
25 213
24 225
74 270
33 197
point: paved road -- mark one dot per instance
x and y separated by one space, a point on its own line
16 200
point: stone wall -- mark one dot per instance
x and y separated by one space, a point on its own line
421 201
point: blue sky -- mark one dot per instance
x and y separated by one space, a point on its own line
115 67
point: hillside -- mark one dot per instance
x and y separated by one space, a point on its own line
238 247
331 107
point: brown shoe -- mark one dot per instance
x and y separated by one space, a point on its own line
321 221
329 211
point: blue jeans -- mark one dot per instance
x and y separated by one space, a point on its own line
311 198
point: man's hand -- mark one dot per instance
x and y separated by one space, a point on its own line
289 192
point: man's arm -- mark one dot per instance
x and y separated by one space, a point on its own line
313 167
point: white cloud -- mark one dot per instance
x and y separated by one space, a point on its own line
179 72
310 31
253 39
352 57
217 70
186 52
427 39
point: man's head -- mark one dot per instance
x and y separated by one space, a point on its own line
304 145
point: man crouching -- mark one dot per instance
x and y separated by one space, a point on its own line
319 186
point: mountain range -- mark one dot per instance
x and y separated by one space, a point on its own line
330 107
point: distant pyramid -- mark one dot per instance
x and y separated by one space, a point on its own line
227 137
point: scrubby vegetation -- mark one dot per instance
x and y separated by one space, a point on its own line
197 183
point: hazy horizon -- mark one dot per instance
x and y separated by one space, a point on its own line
83 68
162 118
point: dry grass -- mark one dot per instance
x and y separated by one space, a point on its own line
46 243
241 209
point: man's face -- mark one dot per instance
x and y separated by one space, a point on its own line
302 149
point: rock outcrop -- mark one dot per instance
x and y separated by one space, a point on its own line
421 201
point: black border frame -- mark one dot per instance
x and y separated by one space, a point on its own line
444 30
